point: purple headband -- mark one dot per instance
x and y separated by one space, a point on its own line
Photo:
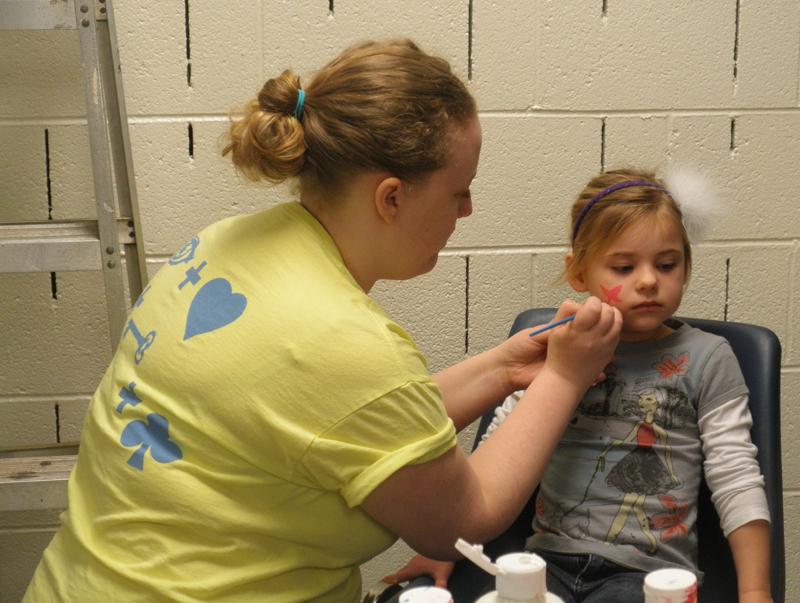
607 191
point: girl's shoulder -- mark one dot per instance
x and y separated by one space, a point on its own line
686 334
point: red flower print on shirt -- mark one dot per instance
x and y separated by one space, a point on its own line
670 365
671 521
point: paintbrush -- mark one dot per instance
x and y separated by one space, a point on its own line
552 325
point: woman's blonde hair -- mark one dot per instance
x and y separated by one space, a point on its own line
377 106
614 212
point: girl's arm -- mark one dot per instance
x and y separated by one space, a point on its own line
736 485
750 548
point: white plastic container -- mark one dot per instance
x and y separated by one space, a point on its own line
519 577
670 586
426 594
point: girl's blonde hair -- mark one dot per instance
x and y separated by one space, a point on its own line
617 210
377 106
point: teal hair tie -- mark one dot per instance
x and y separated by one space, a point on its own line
298 108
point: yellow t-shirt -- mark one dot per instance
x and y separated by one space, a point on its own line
257 397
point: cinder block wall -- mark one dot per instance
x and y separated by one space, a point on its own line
564 88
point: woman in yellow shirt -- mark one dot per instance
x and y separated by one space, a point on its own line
264 427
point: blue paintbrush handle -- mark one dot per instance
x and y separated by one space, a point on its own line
551 325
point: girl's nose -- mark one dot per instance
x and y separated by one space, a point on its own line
646 279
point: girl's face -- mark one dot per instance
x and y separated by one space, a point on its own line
642 273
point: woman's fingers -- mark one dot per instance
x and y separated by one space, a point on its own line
422 566
599 316
588 314
566 308
608 319
581 349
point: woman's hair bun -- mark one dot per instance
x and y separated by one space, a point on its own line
268 141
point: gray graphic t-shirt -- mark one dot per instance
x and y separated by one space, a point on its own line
623 482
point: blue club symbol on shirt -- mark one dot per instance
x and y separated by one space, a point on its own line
153 435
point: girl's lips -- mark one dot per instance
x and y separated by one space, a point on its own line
647 306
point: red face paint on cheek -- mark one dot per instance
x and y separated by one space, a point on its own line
611 295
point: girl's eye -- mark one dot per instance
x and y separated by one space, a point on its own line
667 266
622 269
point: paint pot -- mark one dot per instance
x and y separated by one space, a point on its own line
426 594
521 577
670 586
518 577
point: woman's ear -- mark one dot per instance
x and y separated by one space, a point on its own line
575 279
388 197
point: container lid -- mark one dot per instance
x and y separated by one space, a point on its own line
671 585
521 577
474 552
426 594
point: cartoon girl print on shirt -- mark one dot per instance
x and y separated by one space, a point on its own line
641 472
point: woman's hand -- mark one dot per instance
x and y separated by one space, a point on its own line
423 566
579 351
524 357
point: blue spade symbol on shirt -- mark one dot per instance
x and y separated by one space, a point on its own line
153 435
214 306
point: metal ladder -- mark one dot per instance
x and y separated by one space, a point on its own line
87 244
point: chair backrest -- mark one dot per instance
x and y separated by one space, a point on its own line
759 352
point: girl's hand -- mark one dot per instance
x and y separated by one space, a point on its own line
423 566
578 351
755 597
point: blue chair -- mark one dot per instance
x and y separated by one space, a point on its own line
759 353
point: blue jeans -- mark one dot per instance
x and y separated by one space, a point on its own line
592 579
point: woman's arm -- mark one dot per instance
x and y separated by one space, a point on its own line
472 386
432 504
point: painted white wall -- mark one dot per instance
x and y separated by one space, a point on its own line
564 90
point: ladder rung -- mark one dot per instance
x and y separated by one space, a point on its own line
34 482
55 246
37 14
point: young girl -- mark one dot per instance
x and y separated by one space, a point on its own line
619 498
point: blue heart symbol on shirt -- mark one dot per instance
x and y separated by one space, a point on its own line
214 306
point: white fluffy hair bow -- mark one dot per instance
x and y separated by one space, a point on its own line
696 197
